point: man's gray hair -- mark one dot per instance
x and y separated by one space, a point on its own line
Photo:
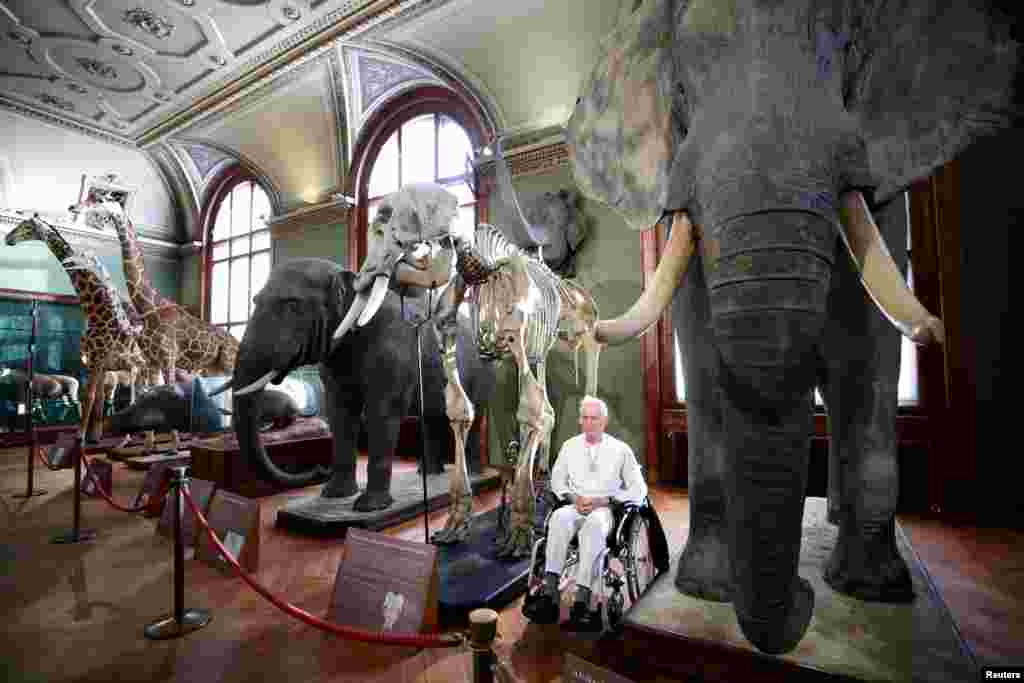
602 406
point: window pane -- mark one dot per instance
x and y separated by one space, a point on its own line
219 293
240 246
221 251
418 150
239 289
907 386
384 178
462 191
260 271
260 207
453 147
818 400
222 228
237 331
241 205
371 210
678 365
261 240
465 221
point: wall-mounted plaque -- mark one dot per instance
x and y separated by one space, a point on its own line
386 584
202 492
236 521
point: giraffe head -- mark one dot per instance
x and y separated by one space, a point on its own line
104 215
32 229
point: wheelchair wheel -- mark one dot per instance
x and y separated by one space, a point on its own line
638 559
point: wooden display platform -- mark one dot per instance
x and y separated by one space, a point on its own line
170 458
331 517
848 639
226 467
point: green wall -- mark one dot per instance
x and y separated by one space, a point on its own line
329 241
608 265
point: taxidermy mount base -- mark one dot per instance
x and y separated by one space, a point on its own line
848 639
331 517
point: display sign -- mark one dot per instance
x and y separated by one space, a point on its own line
236 521
578 670
103 473
386 584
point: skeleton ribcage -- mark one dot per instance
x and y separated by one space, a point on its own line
499 292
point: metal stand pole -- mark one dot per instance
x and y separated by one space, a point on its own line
182 621
77 534
30 427
417 325
483 629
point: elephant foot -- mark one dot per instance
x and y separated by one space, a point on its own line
871 570
516 544
432 468
373 501
704 570
776 639
339 487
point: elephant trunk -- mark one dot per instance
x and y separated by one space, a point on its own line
247 415
768 275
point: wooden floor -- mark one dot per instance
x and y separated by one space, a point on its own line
77 612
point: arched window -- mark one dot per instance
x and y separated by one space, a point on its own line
426 148
237 252
421 135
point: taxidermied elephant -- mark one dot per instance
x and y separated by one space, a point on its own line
371 372
766 130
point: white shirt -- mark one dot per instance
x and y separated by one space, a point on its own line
608 468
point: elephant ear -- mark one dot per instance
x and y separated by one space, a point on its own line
620 135
925 79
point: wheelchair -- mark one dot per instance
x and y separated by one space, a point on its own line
635 554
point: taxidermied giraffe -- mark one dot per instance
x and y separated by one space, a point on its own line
110 340
172 337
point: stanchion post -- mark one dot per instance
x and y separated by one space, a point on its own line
182 621
30 427
77 534
483 629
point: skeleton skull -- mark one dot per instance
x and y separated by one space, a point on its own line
410 239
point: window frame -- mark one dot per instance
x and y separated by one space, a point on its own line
231 178
386 120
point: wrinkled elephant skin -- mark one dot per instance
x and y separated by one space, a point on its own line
769 126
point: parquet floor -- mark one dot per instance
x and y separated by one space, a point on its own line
77 612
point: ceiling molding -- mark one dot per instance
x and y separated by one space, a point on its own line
76 126
277 205
533 159
180 184
339 108
82 236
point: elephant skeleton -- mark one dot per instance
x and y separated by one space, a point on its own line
520 308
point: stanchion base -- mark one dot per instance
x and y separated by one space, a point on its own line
72 537
34 493
168 627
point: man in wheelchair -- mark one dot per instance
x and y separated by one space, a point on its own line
593 472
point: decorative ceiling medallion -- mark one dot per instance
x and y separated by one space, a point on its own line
122 50
58 102
76 88
118 125
188 3
161 96
19 38
291 13
147 21
218 60
95 67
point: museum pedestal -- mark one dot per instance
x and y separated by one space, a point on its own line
331 517
848 639
220 461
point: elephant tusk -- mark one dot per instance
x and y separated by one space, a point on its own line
439 273
377 294
655 298
257 385
222 388
880 276
358 304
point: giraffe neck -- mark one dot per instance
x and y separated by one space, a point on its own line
92 293
143 294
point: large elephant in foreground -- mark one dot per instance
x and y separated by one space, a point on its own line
371 374
765 132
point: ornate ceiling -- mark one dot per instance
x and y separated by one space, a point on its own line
282 85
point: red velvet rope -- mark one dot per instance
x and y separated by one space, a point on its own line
419 641
96 485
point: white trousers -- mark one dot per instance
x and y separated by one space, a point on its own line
593 530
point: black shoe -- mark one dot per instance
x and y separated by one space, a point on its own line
584 620
541 608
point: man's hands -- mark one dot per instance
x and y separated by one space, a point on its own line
585 505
